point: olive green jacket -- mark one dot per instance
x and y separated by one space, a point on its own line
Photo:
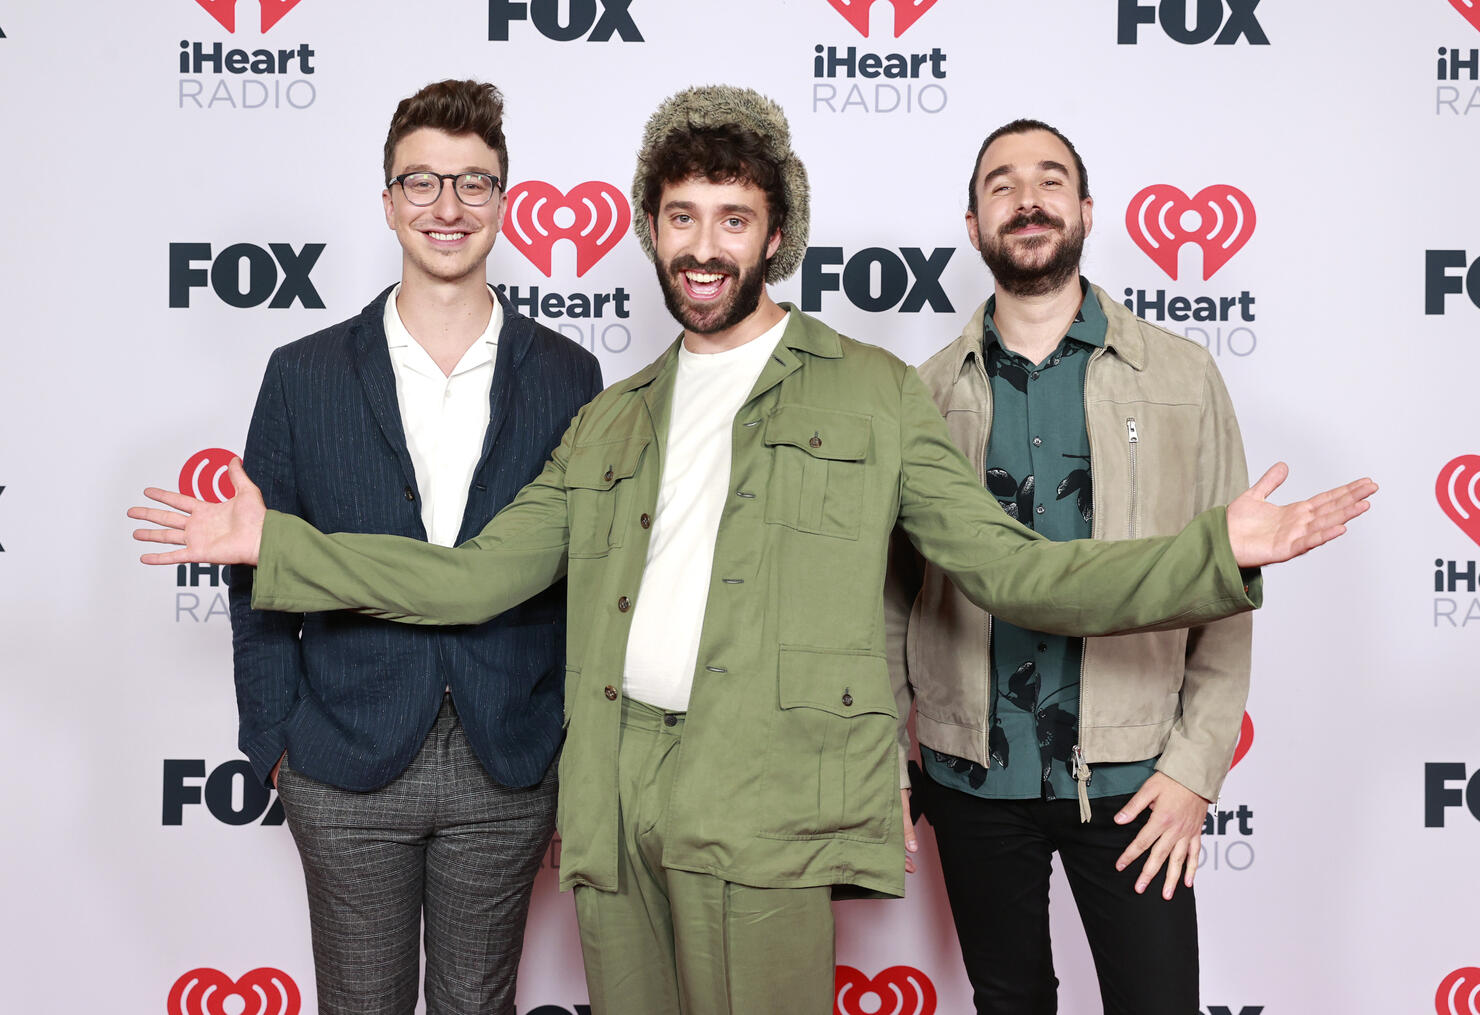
788 766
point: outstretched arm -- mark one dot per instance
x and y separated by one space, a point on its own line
520 552
1086 587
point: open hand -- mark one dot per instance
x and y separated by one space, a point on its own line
1173 832
225 533
1264 533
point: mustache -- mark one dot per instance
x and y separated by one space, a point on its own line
1036 217
715 265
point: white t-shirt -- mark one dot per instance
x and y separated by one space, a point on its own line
663 645
444 417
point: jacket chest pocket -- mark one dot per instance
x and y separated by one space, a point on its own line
818 462
599 489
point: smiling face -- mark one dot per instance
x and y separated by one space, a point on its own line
712 248
446 241
1030 223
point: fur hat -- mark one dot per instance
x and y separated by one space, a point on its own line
714 105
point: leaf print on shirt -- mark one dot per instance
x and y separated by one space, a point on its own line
1010 369
997 745
1016 498
1079 483
1022 686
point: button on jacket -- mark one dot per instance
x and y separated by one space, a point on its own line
1164 446
788 774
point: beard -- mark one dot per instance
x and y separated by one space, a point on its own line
1026 270
742 295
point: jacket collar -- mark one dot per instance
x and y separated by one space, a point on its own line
1122 334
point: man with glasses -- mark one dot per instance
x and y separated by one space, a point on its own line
414 764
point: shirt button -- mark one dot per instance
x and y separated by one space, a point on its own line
409 493
1042 647
624 604
1034 375
1038 442
816 441
847 699
610 692
1040 509
608 475
645 521
670 720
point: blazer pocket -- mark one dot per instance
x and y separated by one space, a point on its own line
818 462
599 496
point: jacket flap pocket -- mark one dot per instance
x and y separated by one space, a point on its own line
822 433
843 683
599 466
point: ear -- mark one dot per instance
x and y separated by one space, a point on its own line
972 233
498 218
1087 209
390 209
773 244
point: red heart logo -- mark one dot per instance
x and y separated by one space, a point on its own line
1245 741
1458 491
1470 10
205 991
906 13
1459 993
597 217
1162 220
898 990
224 11
204 476
273 11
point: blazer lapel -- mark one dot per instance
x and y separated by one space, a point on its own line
373 363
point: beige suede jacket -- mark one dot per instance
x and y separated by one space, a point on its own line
1164 446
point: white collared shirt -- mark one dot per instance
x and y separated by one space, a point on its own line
444 417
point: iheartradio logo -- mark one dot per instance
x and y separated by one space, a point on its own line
906 13
1458 490
1459 993
205 991
224 11
1218 219
898 990
593 215
204 476
1469 10
1245 741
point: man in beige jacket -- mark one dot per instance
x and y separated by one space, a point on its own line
1083 420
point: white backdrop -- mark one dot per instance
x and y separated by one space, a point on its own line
1350 135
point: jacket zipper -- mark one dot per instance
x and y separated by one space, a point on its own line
981 475
1081 769
1131 439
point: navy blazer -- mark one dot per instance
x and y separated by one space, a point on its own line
351 698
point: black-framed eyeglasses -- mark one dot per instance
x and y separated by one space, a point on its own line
422 188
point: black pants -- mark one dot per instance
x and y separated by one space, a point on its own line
996 856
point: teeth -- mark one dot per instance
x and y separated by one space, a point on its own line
702 277
445 236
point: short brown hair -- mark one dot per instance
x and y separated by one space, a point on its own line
1024 126
457 107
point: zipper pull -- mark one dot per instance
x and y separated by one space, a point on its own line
1130 430
1080 768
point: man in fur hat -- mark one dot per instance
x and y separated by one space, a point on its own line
723 516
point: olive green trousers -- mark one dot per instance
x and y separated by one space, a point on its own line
672 942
